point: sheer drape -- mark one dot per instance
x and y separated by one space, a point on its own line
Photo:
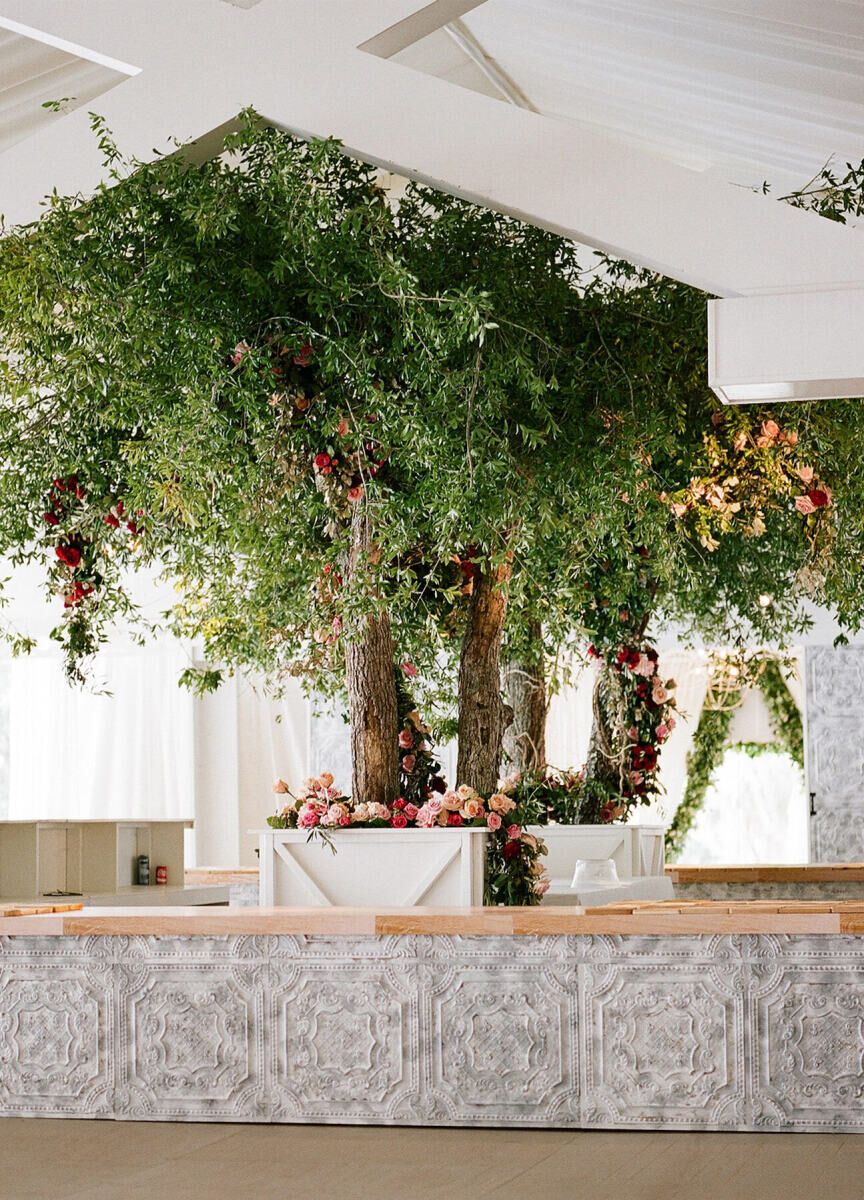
78 755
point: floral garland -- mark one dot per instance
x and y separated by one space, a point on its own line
711 740
514 872
88 537
642 706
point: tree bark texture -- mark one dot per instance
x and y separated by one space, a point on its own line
482 713
371 687
525 690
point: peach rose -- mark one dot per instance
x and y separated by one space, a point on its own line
451 801
325 779
281 788
472 809
502 804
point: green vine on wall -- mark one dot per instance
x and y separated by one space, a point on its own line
711 741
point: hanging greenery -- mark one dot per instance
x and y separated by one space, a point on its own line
731 678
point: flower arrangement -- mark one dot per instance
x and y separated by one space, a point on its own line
514 873
646 709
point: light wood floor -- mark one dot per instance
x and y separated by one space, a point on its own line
94 1160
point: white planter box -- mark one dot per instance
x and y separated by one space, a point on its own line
398 868
637 850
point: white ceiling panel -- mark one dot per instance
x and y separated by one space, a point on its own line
747 89
33 73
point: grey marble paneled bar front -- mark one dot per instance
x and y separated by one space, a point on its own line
598 1030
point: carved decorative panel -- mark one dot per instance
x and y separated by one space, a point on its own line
191 1033
809 1050
835 751
56 1032
626 1032
664 1047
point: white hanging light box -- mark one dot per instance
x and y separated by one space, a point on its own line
794 346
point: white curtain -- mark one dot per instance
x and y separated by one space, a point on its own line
755 812
79 755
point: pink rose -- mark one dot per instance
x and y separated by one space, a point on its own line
308 817
805 474
513 832
399 821
406 739
409 762
493 821
409 669
411 811
662 731
541 887
434 805
239 350
805 505
658 692
425 817
355 494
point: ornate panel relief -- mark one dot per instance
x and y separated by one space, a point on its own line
835 751
345 1039
56 1034
503 1046
664 1047
809 1050
192 1037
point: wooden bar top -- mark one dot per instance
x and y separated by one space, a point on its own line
769 873
667 917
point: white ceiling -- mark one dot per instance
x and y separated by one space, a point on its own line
747 89
32 73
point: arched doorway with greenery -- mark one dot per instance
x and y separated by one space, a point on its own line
718 760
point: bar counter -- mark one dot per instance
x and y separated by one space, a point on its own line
669 1015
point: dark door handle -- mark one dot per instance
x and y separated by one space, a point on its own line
812 804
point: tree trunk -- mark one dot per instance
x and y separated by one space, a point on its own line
482 713
525 689
371 686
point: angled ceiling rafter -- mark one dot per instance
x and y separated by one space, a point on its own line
200 63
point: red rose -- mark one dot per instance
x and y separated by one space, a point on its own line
72 482
51 519
399 821
111 520
622 655
399 804
322 460
511 849
818 498
132 527
304 357
69 555
454 818
59 485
